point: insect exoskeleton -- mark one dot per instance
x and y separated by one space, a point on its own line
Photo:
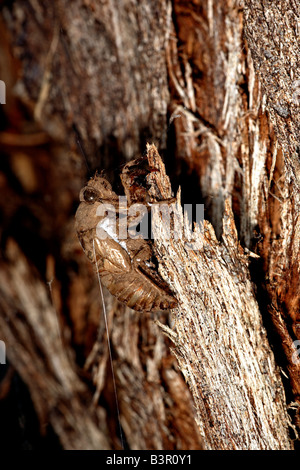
127 266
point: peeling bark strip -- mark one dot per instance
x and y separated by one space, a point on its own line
272 33
219 339
221 87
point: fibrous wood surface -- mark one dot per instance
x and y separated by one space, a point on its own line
272 32
219 340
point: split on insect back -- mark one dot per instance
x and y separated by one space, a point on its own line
107 227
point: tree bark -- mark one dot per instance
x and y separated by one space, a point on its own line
214 85
275 52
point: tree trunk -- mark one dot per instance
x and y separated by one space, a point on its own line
215 86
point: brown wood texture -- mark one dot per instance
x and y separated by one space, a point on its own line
215 86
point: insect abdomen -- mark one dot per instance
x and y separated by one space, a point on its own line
136 292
